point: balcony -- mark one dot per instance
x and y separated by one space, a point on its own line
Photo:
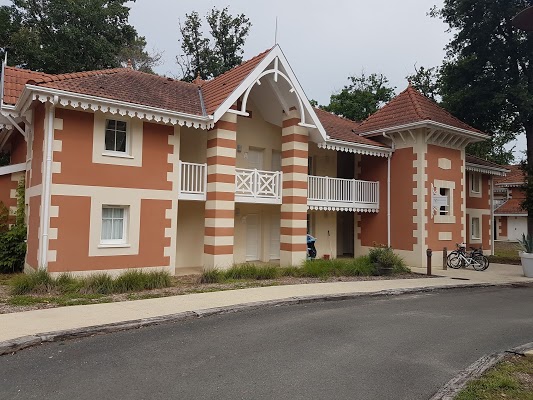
193 181
337 194
256 186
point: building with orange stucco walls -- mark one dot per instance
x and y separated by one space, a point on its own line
129 170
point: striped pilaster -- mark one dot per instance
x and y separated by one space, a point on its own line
220 204
294 208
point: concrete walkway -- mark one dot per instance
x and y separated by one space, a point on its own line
17 325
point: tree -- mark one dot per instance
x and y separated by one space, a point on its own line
428 82
208 57
487 76
58 36
362 97
139 58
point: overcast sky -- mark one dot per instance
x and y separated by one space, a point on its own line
324 41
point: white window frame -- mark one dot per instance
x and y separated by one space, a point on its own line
134 141
116 153
449 218
475 177
115 242
473 231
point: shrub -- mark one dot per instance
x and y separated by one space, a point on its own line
36 282
384 257
12 249
242 271
13 240
290 271
134 280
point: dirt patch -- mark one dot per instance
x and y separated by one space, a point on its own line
181 286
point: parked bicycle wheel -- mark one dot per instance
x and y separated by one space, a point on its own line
480 262
454 260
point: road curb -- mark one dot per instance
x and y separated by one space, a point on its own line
13 345
474 371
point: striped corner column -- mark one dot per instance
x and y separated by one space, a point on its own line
294 207
220 204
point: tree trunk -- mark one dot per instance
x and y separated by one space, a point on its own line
529 178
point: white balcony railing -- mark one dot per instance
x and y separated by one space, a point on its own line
255 186
193 181
337 193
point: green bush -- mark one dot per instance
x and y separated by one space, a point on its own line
12 249
384 257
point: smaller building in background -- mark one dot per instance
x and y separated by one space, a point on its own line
510 217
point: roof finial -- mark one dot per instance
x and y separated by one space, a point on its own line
130 65
198 81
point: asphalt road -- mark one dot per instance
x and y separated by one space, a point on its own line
403 347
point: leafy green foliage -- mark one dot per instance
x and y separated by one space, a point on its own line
13 240
58 36
208 57
426 81
526 243
487 74
362 97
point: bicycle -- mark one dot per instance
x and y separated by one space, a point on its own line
461 259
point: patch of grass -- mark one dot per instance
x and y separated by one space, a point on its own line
98 283
511 379
42 282
507 250
39 282
211 276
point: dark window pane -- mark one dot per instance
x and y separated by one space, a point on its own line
110 140
121 126
111 124
121 141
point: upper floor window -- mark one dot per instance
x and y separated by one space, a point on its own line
116 136
475 183
445 209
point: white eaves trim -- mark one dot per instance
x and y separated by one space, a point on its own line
512 184
486 170
429 124
11 169
496 214
251 80
356 148
93 103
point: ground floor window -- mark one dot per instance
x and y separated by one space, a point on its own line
475 228
114 220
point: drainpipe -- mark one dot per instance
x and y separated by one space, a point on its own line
47 183
388 190
492 222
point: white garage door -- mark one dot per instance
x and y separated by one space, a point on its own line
516 227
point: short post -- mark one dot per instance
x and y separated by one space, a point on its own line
429 253
445 258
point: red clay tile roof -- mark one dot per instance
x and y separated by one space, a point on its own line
342 128
217 90
511 206
516 176
14 81
125 84
410 106
480 161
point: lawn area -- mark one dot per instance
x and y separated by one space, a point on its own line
510 379
505 253
40 290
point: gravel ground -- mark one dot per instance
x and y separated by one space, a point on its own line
189 284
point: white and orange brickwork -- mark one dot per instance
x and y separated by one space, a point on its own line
107 189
